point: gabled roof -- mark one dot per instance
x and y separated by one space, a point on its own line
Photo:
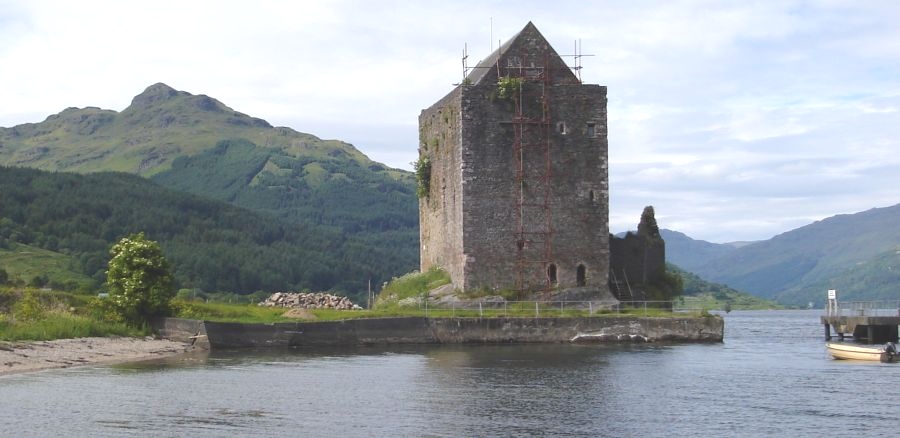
529 47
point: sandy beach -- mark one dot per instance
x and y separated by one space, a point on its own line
23 357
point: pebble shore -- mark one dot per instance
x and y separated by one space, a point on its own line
23 357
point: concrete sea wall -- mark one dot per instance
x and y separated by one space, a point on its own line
183 330
412 330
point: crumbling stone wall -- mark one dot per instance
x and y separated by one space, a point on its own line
636 259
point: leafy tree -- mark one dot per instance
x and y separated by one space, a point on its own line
39 281
139 281
665 286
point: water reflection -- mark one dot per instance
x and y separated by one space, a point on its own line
770 377
193 359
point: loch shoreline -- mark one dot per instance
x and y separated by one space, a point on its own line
181 336
26 357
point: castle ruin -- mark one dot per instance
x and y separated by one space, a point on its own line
513 181
637 261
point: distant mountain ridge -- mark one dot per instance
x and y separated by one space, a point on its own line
690 254
160 124
854 253
197 144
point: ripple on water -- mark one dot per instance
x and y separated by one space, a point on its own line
771 376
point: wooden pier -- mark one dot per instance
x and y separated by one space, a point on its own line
871 322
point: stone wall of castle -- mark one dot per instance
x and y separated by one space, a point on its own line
578 202
440 212
500 216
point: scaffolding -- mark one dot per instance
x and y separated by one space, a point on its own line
532 125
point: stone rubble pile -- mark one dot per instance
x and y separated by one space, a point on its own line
305 300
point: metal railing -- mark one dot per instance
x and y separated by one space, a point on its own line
864 308
550 308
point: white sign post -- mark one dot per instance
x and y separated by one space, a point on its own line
832 302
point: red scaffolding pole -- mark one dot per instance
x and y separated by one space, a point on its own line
532 128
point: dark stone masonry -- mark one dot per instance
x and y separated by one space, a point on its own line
518 191
637 259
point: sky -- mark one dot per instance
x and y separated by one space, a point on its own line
736 120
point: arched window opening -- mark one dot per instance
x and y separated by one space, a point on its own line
592 196
551 274
580 276
561 128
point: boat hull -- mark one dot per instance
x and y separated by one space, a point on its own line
860 352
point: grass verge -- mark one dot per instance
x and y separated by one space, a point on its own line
223 312
401 291
37 315
62 325
254 314
735 302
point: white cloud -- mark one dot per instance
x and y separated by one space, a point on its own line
737 120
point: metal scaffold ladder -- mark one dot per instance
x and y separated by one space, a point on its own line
533 174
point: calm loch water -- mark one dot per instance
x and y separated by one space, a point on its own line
772 376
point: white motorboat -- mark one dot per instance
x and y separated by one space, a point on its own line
882 353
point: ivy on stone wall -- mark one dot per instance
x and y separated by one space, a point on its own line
507 87
423 176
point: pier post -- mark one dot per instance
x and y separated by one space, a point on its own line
871 332
827 331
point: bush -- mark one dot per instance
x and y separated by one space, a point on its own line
39 281
28 308
139 280
666 286
8 298
101 309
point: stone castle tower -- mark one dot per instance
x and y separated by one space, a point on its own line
513 176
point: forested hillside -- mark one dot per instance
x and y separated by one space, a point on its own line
855 253
690 254
331 190
211 245
719 294
196 144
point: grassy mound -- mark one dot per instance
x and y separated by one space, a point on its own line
408 290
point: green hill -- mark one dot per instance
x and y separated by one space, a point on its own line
334 190
196 144
857 252
690 253
875 278
160 125
705 294
212 245
24 262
